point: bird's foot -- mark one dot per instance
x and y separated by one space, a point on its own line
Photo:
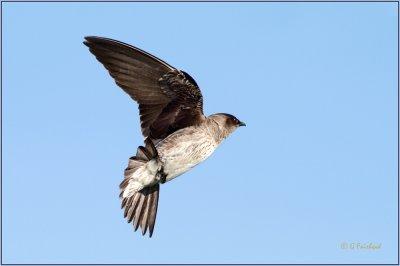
162 176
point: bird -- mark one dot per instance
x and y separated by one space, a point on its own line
177 134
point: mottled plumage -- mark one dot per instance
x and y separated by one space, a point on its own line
178 136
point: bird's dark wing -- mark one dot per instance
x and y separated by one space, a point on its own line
168 99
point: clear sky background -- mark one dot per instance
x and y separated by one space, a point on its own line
316 165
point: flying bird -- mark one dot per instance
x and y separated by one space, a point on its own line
177 134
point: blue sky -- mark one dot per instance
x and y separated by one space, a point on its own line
316 84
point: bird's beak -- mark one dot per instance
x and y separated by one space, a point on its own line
242 124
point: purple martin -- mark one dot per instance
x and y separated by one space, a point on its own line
178 135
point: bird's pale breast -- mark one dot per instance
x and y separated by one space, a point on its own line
185 149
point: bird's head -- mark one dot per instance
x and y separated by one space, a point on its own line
227 123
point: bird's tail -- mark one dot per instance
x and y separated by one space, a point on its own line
140 201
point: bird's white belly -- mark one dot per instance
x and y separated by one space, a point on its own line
182 153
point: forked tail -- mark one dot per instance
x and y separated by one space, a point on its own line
140 201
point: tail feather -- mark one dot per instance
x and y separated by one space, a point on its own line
133 164
134 205
146 209
128 204
145 215
143 154
141 206
124 200
151 148
138 212
155 191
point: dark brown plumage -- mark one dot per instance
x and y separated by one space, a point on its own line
168 99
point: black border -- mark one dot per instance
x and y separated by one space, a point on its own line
195 1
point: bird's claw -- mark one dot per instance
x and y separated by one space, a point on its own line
162 176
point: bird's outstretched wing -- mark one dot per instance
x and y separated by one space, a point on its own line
168 99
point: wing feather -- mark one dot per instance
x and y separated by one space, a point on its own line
168 99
